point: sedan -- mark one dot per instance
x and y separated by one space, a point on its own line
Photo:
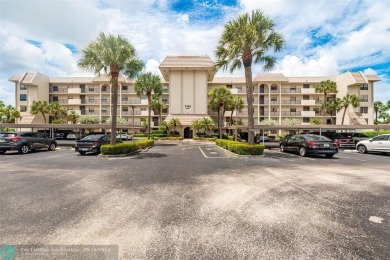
380 143
91 143
305 144
124 136
24 142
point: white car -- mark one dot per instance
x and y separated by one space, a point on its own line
124 136
380 143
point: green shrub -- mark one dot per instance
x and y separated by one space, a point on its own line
205 138
375 133
125 148
158 132
240 148
158 135
172 138
140 135
230 138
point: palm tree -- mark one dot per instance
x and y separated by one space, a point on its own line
244 41
39 106
72 117
173 123
148 84
196 125
207 124
235 104
158 105
378 108
220 97
346 101
333 106
112 54
56 110
326 87
9 113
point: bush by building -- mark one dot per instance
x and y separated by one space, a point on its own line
125 148
240 148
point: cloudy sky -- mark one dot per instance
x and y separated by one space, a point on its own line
323 37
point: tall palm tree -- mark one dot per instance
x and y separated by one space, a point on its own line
333 106
112 54
326 87
39 106
346 101
56 110
220 97
149 85
244 41
236 104
378 108
158 105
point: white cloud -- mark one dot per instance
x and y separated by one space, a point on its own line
152 66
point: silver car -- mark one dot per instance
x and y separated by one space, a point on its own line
380 143
23 142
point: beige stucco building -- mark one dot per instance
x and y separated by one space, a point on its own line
186 82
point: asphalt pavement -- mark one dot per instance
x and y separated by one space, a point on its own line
193 200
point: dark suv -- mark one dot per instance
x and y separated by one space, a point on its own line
23 142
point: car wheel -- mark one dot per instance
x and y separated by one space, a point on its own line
82 153
2 152
282 148
24 149
52 147
362 149
302 151
329 155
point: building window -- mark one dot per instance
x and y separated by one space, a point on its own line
91 110
364 110
23 97
125 98
306 108
164 99
91 89
55 88
239 89
125 109
91 99
104 110
306 86
104 100
55 99
164 111
364 87
364 98
23 87
104 88
306 120
274 99
306 97
274 88
229 86
125 88
23 108
293 110
70 97
274 109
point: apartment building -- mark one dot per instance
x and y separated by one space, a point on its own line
186 83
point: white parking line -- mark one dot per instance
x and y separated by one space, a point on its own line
213 157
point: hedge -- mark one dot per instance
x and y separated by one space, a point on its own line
213 139
240 148
125 148
172 138
375 133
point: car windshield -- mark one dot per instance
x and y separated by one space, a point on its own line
92 137
7 134
317 138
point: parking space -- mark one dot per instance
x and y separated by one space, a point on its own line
214 152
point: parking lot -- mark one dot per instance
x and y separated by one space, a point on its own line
192 200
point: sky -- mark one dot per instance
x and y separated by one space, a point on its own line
323 37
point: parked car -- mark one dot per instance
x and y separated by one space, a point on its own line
260 138
357 137
24 142
305 144
380 143
124 136
343 140
62 134
74 135
91 143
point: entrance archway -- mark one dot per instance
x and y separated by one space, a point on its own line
187 132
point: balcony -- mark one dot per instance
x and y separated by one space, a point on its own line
291 102
144 102
291 90
308 90
308 113
74 90
308 102
74 101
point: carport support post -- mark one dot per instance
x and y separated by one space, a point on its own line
320 130
132 125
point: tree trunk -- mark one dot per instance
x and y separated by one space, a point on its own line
159 117
44 117
249 98
114 103
149 112
231 118
220 123
345 110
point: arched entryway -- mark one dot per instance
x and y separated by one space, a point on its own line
187 132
